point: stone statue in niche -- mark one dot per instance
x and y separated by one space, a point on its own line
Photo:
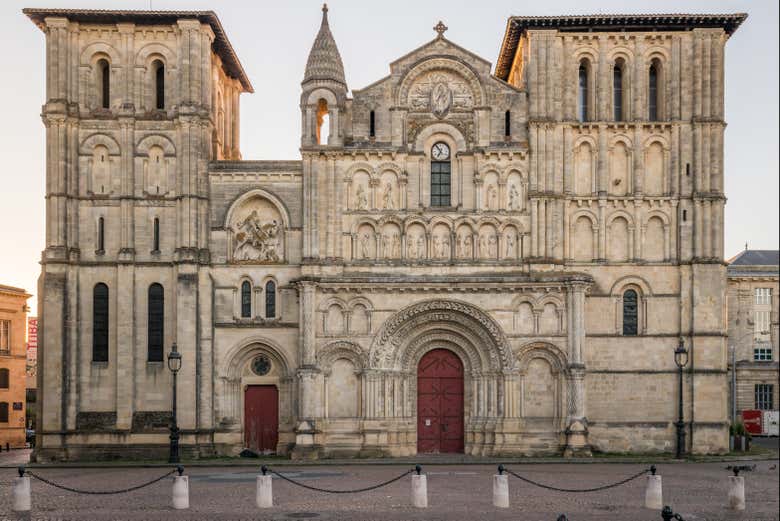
483 247
387 197
491 196
391 245
364 243
510 244
361 199
441 246
464 245
492 246
514 197
256 240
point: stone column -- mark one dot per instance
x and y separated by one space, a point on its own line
577 430
306 446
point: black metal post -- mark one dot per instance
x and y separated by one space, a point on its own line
174 449
680 424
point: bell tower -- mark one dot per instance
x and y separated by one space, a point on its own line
324 91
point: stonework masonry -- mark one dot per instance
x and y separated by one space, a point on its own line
556 223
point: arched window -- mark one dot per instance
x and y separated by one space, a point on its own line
104 83
652 92
630 313
246 299
155 323
159 84
507 123
440 174
583 92
101 245
4 378
617 91
156 235
100 323
270 299
372 124
3 412
323 122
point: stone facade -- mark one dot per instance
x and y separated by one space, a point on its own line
444 206
13 360
753 325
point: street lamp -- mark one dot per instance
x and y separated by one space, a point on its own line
681 360
174 364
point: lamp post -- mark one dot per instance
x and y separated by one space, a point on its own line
681 360
174 364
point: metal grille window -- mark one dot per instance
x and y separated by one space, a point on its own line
652 97
5 335
100 323
156 323
270 299
104 70
765 397
246 300
617 91
440 183
4 378
762 352
763 296
630 312
583 92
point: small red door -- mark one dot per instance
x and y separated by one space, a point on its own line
261 417
440 402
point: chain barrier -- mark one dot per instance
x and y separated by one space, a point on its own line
329 491
99 492
557 489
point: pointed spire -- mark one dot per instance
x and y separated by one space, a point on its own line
324 61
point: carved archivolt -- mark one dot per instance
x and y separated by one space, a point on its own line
399 329
552 354
341 349
420 89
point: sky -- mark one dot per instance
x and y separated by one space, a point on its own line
273 38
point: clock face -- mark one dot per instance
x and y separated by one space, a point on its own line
440 152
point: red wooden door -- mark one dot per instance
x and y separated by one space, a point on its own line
261 417
440 402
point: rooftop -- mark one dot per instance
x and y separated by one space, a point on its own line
221 44
516 25
756 258
11 289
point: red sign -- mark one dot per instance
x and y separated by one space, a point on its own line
752 421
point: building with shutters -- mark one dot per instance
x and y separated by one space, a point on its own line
13 358
465 258
753 284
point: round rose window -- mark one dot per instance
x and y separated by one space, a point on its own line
261 365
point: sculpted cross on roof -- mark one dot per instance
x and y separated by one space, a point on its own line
440 28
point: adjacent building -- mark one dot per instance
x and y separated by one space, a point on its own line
13 357
463 259
753 284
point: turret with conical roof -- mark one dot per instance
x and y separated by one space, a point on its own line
324 89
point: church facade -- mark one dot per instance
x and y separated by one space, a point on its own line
463 259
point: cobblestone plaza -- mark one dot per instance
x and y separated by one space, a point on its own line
460 492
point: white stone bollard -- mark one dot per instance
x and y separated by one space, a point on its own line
181 492
501 490
419 490
22 501
654 498
265 496
736 493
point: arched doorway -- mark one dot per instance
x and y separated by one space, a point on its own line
440 402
